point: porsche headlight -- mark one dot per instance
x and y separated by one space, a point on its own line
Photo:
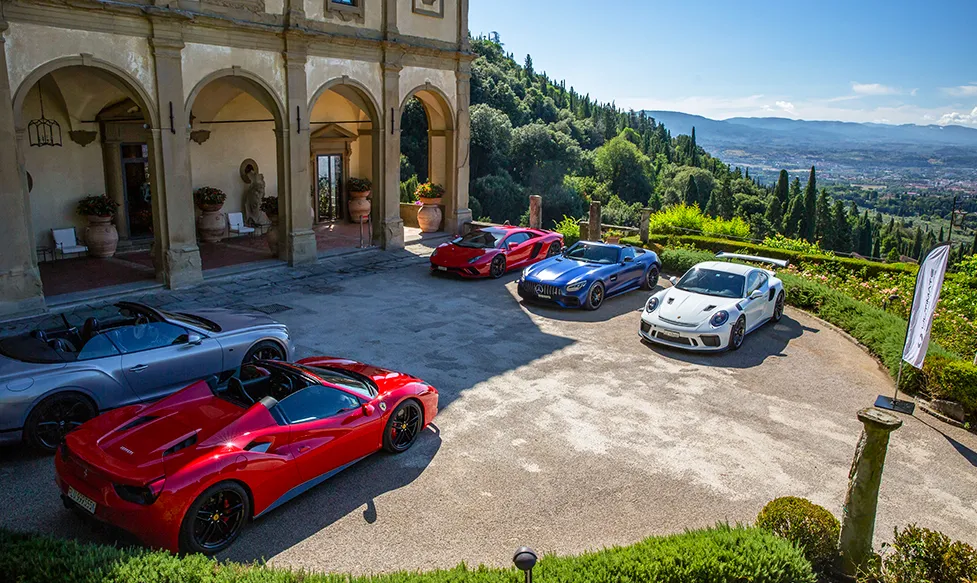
719 318
652 304
576 286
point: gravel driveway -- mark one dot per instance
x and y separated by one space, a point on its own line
560 430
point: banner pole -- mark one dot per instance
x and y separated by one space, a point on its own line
898 380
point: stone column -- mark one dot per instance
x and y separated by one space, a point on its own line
173 213
20 280
112 162
535 211
460 213
584 229
593 231
391 227
864 479
296 210
643 226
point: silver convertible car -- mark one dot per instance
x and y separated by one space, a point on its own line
53 380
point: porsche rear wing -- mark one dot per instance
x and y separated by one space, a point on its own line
754 258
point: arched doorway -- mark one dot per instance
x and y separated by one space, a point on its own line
344 145
100 125
438 165
237 148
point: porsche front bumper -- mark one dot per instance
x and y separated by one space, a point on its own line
702 337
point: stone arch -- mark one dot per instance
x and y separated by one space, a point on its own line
437 106
139 94
373 106
251 83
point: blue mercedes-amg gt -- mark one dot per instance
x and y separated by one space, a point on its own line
587 273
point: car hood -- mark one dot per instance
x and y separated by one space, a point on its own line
690 308
561 271
386 380
454 254
231 321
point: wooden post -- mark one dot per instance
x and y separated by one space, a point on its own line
535 212
593 231
643 226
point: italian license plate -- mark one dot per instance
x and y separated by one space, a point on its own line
442 268
544 296
82 500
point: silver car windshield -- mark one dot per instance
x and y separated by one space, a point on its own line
712 283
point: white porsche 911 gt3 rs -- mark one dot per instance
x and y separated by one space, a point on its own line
715 305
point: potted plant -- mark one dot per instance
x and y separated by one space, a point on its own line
429 216
269 206
359 198
101 235
613 236
211 223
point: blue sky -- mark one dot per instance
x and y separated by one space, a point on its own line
897 61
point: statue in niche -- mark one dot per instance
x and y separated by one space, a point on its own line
253 215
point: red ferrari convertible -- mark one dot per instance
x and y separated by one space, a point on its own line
188 472
492 251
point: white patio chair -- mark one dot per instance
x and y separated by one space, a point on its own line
235 223
66 242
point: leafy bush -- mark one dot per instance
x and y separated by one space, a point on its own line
570 229
97 206
681 219
919 555
809 526
359 184
429 190
717 555
408 189
269 206
779 241
955 380
618 212
209 195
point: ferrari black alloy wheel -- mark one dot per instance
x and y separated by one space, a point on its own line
215 519
403 427
54 417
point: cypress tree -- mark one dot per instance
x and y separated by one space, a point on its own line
794 221
712 206
877 249
842 228
917 248
782 190
823 225
691 192
973 248
775 213
726 204
693 150
810 207
942 238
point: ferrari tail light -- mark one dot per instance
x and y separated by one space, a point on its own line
143 495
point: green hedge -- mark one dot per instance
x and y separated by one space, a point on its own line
868 268
881 332
717 555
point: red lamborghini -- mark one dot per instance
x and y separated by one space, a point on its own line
492 251
187 473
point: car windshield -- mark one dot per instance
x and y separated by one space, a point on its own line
343 378
712 283
481 239
593 253
191 320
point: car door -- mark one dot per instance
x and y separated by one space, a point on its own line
159 358
518 247
98 368
329 429
755 308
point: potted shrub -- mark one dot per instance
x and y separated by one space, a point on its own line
429 216
613 236
269 206
101 236
211 223
359 198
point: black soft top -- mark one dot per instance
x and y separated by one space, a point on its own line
27 348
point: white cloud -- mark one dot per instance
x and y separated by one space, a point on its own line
954 118
874 89
969 90
786 106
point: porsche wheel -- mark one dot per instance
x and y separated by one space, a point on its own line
737 334
497 269
403 427
651 278
595 296
54 417
215 519
264 350
778 308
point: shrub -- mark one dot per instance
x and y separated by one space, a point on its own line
570 229
359 184
779 241
269 206
919 555
209 195
717 555
408 190
618 212
681 219
429 190
812 528
955 380
98 206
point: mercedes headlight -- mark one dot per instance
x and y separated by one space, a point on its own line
719 318
652 304
576 286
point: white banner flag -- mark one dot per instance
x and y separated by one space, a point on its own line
929 282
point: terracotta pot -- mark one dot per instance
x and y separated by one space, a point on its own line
210 207
101 236
612 240
429 216
272 235
211 224
359 205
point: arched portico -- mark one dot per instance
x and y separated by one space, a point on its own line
441 146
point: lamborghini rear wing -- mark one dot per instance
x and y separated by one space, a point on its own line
754 258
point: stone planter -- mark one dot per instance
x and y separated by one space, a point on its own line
211 223
612 240
429 216
359 205
101 236
272 235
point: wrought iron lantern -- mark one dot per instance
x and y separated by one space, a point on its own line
43 131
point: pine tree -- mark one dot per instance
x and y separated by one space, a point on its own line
810 207
691 192
775 212
823 225
917 247
530 72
